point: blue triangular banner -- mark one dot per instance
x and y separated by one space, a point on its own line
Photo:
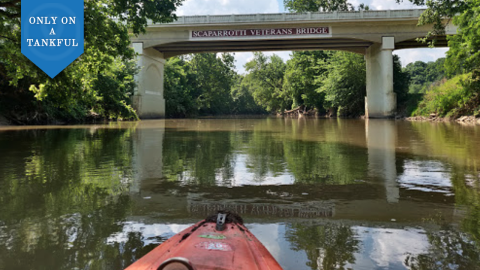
52 33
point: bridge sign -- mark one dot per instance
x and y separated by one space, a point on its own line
52 33
261 33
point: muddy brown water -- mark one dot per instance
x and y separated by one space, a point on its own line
319 194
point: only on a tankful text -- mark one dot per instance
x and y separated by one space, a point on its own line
52 42
49 42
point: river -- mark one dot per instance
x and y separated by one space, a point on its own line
318 193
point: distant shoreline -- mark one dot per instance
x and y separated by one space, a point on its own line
464 120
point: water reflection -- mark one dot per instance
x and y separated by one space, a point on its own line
320 194
389 248
448 249
381 143
328 246
427 176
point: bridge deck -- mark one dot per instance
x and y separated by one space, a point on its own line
370 15
353 31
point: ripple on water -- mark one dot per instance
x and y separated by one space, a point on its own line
427 176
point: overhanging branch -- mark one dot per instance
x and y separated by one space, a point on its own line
9 15
11 4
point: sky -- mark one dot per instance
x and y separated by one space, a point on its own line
217 7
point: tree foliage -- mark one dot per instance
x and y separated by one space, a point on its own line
268 73
321 5
424 74
73 94
243 101
177 90
401 81
212 78
461 95
453 98
206 84
438 13
317 5
344 83
464 53
300 78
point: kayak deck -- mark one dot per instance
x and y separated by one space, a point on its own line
207 248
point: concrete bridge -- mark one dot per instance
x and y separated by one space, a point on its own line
374 34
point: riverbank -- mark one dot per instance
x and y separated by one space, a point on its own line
465 120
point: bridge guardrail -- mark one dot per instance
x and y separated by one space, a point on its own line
309 16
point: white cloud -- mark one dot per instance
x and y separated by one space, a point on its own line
385 4
217 7
241 60
244 57
425 54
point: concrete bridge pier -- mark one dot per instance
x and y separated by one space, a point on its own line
381 101
148 99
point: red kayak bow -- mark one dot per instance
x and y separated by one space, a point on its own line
220 242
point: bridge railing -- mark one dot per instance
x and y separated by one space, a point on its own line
309 16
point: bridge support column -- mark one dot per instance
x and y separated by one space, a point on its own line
148 99
381 101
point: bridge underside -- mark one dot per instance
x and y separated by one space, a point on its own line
440 41
379 103
375 34
342 44
178 48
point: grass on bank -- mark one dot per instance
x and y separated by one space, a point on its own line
451 98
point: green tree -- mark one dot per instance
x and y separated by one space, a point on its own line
437 11
72 94
321 5
268 73
243 101
317 5
461 94
207 84
344 83
422 74
417 75
401 81
114 87
300 74
464 53
212 78
177 90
